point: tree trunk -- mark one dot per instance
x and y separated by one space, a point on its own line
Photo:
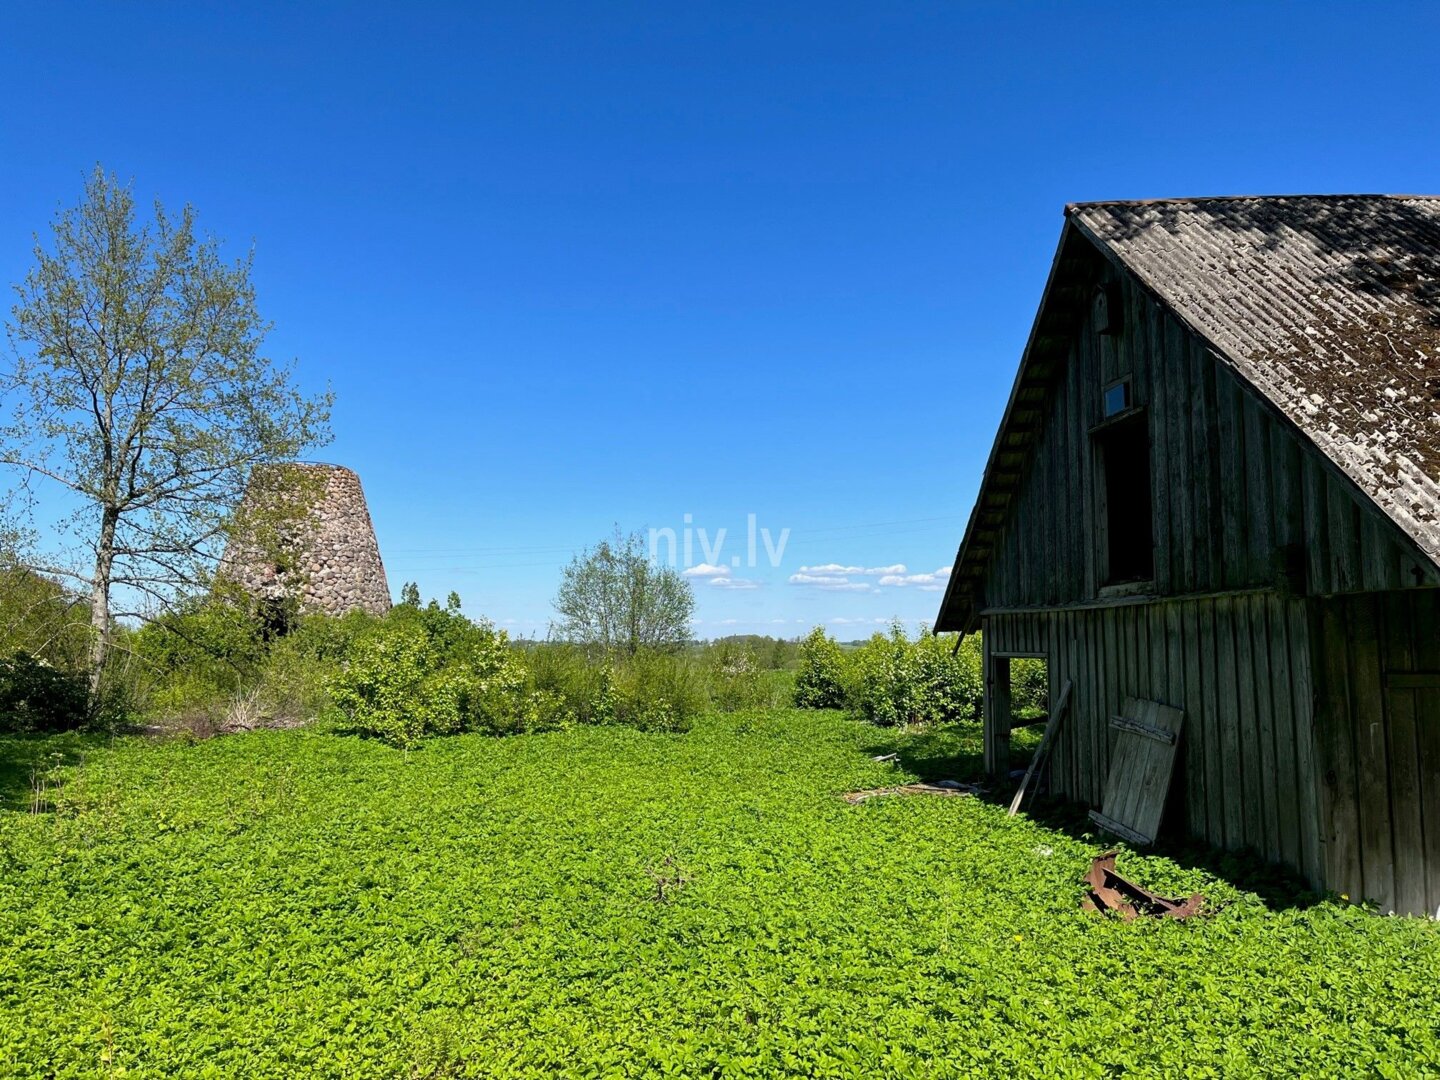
100 596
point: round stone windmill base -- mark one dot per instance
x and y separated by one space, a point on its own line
331 563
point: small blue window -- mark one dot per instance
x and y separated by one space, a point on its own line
1117 398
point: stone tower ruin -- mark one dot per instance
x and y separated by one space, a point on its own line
327 557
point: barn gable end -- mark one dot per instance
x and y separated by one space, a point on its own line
1271 486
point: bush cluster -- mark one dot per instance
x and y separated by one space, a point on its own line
895 680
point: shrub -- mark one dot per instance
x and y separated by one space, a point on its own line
820 682
403 681
36 697
735 677
656 691
893 680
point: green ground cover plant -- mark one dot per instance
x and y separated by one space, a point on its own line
603 901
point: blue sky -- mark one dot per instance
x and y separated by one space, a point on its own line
567 266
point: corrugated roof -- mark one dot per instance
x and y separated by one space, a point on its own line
1329 305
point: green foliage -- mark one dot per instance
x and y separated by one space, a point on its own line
820 683
433 672
606 902
139 387
734 676
35 696
613 598
655 691
1029 691
40 617
892 680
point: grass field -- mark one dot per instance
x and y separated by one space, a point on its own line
602 902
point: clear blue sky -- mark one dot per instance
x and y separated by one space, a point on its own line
573 265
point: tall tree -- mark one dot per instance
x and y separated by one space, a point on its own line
139 387
614 597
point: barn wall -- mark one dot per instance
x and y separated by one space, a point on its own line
1240 669
1240 500
1378 736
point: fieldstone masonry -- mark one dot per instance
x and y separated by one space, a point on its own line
338 567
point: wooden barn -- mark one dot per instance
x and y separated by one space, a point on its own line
1216 488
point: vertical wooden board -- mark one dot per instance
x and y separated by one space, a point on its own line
1259 497
1111 701
1095 656
1260 650
1191 765
1287 792
1162 489
1335 756
1205 448
1227 706
1201 735
1377 853
1084 387
1156 770
1403 747
1207 652
1425 629
1344 535
1300 618
1182 481
1379 558
1317 526
987 694
1233 505
1288 528
1251 763
1057 670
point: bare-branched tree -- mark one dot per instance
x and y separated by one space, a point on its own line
139 388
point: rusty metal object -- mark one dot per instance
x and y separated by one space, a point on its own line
1109 892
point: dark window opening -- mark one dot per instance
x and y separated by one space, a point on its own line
1129 523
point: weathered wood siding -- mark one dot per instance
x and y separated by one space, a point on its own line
1238 667
1241 500
1378 737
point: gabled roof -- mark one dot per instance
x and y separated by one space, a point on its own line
1328 305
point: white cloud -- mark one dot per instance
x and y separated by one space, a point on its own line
841 620
835 582
734 583
931 582
708 570
867 571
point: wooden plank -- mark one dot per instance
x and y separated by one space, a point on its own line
1161 487
1403 748
1377 852
1228 711
1317 528
1340 815
1260 647
1299 620
1412 680
1425 639
1197 747
1251 765
1233 505
1282 697
1260 539
1144 729
1344 533
1216 799
1205 436
1057 715
1122 831
1176 352
1139 778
